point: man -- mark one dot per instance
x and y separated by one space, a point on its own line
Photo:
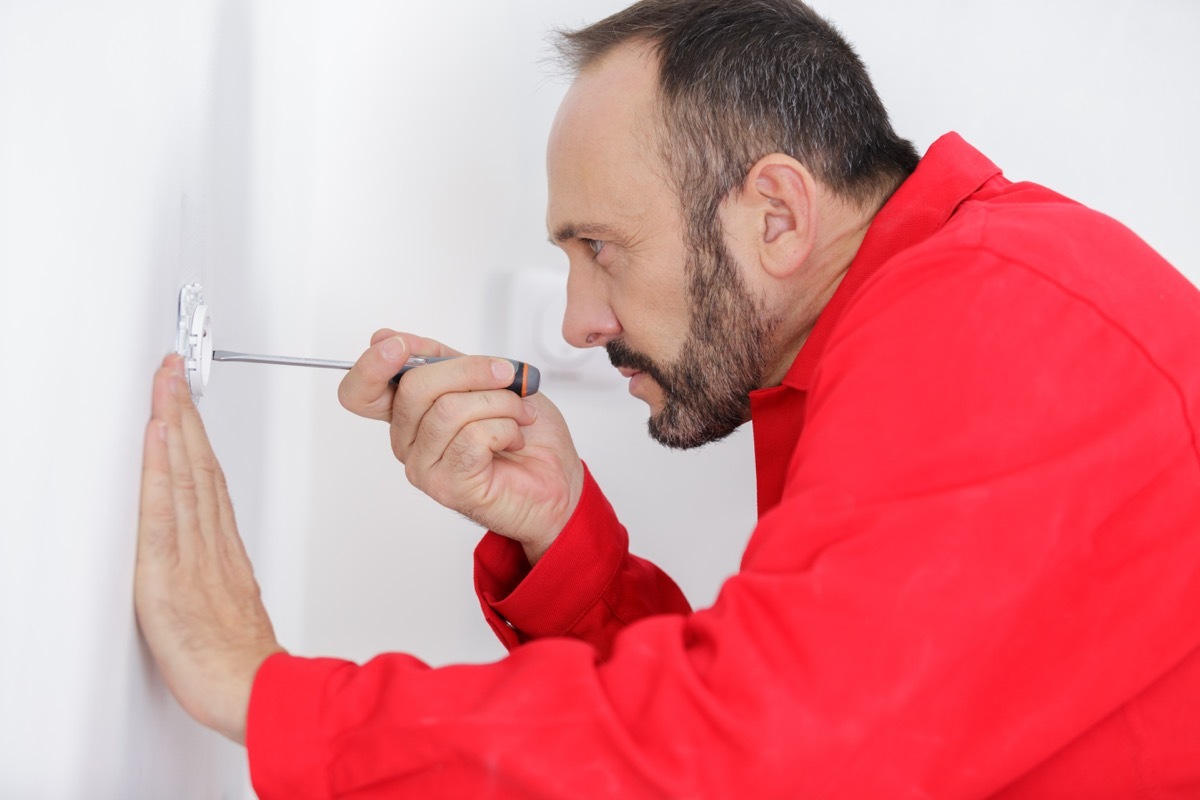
976 571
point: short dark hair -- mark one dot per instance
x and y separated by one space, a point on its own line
740 79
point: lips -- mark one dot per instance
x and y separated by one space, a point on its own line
629 363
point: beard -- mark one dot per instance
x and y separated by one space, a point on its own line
706 390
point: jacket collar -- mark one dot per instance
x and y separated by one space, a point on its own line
950 172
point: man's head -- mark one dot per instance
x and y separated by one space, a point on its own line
703 169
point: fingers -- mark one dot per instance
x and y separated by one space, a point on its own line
196 439
450 387
213 507
156 520
168 391
199 497
383 333
157 526
186 510
366 389
469 456
489 419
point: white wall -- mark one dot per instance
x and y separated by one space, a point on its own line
128 166
1098 99
329 168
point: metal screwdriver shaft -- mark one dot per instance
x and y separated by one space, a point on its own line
525 381
290 361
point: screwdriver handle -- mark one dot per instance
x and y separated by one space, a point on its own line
526 378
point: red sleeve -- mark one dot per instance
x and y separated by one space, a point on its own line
929 611
587 585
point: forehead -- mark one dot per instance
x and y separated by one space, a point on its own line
602 159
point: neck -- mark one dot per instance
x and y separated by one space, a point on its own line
843 229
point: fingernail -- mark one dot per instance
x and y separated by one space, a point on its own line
503 370
393 349
177 386
531 410
160 430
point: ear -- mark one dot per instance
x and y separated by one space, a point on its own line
776 213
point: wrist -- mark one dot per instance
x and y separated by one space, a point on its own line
232 724
536 548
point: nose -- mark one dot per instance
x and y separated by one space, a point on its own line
589 320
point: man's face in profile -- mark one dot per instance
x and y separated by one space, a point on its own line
675 315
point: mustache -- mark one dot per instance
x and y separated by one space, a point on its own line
621 355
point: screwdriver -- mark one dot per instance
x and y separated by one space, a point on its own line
525 381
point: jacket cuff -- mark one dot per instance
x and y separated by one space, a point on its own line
285 741
523 603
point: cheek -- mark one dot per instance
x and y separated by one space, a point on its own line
654 321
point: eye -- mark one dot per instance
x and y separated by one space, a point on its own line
595 245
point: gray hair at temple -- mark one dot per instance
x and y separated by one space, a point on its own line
741 79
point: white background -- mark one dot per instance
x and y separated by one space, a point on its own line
325 169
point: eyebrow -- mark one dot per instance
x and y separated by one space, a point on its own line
575 230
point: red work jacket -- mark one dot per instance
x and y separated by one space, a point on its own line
976 570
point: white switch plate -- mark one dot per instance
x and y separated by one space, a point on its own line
537 300
194 338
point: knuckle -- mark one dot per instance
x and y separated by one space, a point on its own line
205 467
446 410
185 482
399 445
401 413
158 523
502 404
343 394
219 480
463 457
203 476
415 477
475 447
488 401
405 394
